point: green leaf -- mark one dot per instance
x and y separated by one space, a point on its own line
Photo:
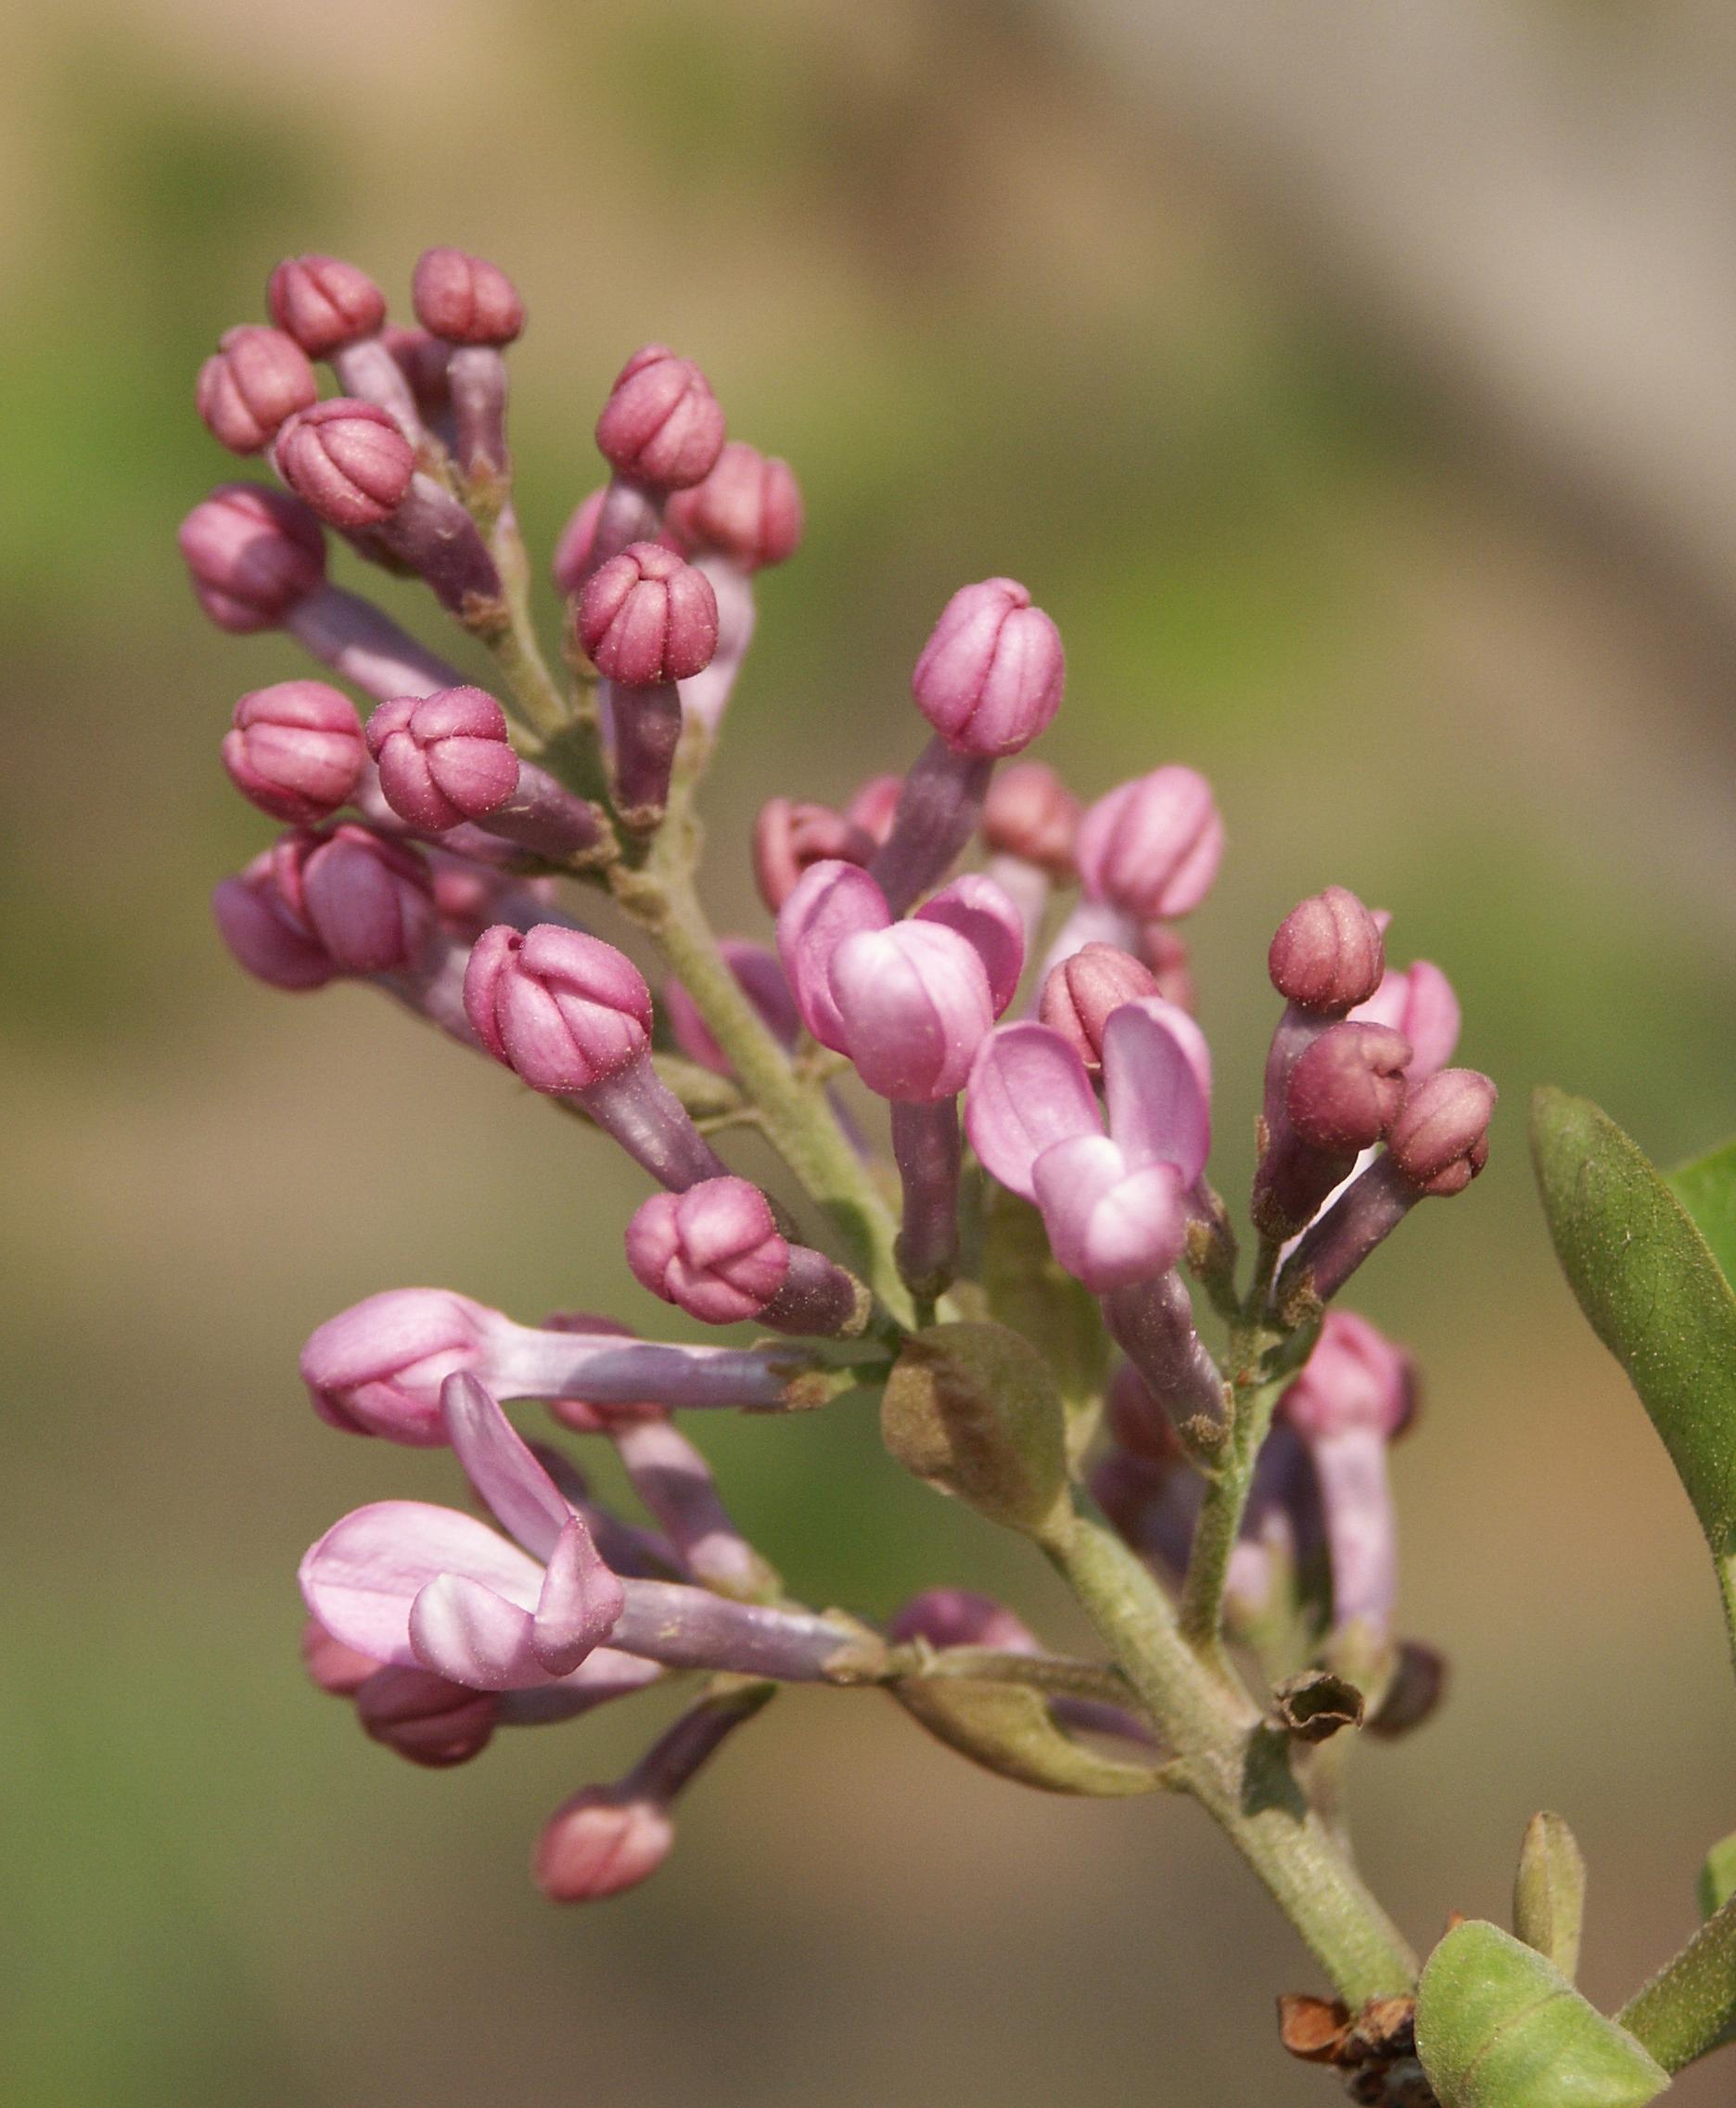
1008 1729
1500 2027
1690 2006
1656 1297
1549 1892
1707 1188
1718 1877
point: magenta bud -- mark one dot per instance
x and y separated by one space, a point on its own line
788 837
1348 1087
444 757
1032 814
348 460
426 1718
989 678
254 553
332 1666
1356 1380
369 901
748 509
662 426
604 1840
296 750
263 936
714 1251
647 616
1328 954
325 303
1084 988
562 1009
960 1617
464 299
1151 848
1439 1141
254 381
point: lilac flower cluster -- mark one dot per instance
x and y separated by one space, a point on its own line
1026 1022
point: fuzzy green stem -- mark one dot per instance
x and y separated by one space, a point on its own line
1237 1768
1219 1523
1058 1674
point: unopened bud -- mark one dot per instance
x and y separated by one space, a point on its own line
296 750
1328 955
1082 991
646 617
789 837
254 381
662 426
325 303
348 460
1348 1087
464 299
604 1840
1440 1141
748 509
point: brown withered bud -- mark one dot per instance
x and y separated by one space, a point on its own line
1032 814
1347 1087
1328 954
1316 1705
1082 991
789 836
1439 1141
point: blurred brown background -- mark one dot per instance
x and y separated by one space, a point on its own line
1355 388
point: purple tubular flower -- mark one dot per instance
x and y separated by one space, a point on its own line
446 757
325 303
418 1586
1355 1395
761 977
989 678
571 1015
253 553
1084 990
1341 1095
938 810
254 381
1438 1144
748 509
365 648
377 1368
1116 1207
715 1251
296 750
646 618
368 901
1153 1323
1151 848
661 427
348 460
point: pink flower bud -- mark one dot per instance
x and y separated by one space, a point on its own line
647 616
602 1841
1356 1379
348 460
1032 814
562 1009
661 424
1327 956
989 677
296 750
960 1617
748 509
874 807
251 384
369 901
444 757
377 1368
426 1718
1348 1087
254 553
1151 848
788 837
330 1664
325 303
464 299
915 1004
264 936
1440 1141
1083 990
714 1251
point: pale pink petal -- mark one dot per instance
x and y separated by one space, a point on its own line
914 1004
1157 1085
982 913
832 900
363 1575
1110 1223
462 1630
1027 1091
579 1603
521 1494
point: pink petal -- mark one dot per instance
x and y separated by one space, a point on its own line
462 1630
913 1001
832 900
986 919
1157 1085
1110 1223
579 1603
1028 1090
521 1495
363 1575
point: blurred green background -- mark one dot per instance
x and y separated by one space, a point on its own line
1014 297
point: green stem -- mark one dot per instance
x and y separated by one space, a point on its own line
1219 1523
1237 1768
1054 1673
